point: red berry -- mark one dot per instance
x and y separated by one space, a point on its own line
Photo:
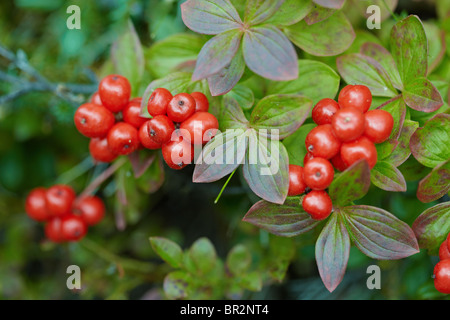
441 274
324 111
123 138
73 228
348 124
308 156
95 98
93 120
60 199
201 127
448 241
100 150
132 113
160 129
338 163
115 92
444 253
178 152
36 204
321 142
91 209
379 124
201 102
357 96
318 204
158 102
296 184
52 230
318 173
181 107
362 148
145 138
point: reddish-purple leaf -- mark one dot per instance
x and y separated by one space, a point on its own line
232 116
332 252
421 95
387 177
223 81
210 16
332 4
436 184
286 220
378 233
268 53
217 53
432 226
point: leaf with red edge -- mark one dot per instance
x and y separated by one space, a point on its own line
286 220
436 184
269 53
332 4
402 152
429 145
332 252
379 234
224 80
210 16
232 115
217 53
318 14
432 226
258 11
387 177
421 95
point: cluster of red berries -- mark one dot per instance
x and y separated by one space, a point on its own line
441 272
346 132
66 217
179 123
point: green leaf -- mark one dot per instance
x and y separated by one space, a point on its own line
436 45
397 108
251 281
279 256
153 178
210 17
436 184
421 95
258 11
232 116
238 260
290 12
269 53
165 55
387 177
203 255
379 234
332 252
431 227
266 168
351 184
318 14
297 150
177 285
326 38
356 68
286 220
168 250
402 152
316 81
243 96
429 145
385 148
409 49
332 4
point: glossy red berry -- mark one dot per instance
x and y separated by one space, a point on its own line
52 230
93 120
100 150
123 138
448 241
95 98
160 128
181 107
324 111
308 156
145 138
378 125
73 227
318 173
36 204
348 124
362 148
338 163
115 92
357 96
132 113
200 127
178 152
318 204
321 142
158 102
60 199
444 253
201 102
296 184
91 209
441 274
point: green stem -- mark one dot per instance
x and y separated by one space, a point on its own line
224 186
390 11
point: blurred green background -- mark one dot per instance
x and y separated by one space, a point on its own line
39 146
